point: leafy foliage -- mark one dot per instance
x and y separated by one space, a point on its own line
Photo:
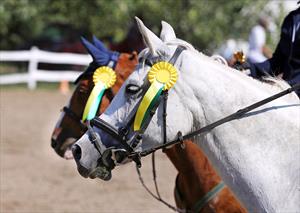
204 23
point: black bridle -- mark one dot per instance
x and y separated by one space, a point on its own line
74 117
122 134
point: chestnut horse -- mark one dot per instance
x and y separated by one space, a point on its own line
196 178
69 127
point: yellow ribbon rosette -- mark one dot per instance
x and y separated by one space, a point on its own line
162 76
103 78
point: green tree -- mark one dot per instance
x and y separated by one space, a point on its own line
204 23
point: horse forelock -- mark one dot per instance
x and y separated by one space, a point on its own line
180 42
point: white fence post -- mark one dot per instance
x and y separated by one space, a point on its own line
32 68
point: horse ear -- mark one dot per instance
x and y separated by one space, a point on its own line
99 44
100 57
167 32
156 46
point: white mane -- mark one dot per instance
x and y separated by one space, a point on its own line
271 84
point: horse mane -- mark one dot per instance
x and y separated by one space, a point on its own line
270 82
275 81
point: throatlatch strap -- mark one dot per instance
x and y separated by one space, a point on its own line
176 54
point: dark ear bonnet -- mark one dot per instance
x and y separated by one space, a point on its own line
101 57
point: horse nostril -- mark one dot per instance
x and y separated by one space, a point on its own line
76 150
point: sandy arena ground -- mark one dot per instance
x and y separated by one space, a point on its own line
35 179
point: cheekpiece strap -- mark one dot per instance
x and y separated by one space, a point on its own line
176 54
162 76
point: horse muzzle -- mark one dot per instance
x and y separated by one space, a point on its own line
101 170
61 141
109 160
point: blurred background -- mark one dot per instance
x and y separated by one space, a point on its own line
40 49
56 25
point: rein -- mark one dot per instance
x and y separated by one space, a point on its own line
209 127
157 196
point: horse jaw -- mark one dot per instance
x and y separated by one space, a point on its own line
156 46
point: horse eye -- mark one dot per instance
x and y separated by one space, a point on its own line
131 57
132 88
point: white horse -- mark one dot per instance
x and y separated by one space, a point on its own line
257 156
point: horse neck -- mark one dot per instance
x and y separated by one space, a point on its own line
193 167
212 91
196 177
212 84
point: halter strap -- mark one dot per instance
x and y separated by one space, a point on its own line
208 197
199 205
118 135
73 116
176 54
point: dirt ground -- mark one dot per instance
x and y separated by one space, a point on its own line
35 179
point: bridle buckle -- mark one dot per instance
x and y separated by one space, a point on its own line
136 157
180 139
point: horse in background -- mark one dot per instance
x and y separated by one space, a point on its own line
132 42
69 126
195 178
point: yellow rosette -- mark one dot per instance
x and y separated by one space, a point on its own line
162 76
103 78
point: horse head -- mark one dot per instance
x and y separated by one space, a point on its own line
136 114
70 126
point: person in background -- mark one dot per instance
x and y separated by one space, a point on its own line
258 51
286 58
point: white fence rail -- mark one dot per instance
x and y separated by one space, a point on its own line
35 56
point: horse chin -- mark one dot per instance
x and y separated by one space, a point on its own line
66 147
68 155
101 172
